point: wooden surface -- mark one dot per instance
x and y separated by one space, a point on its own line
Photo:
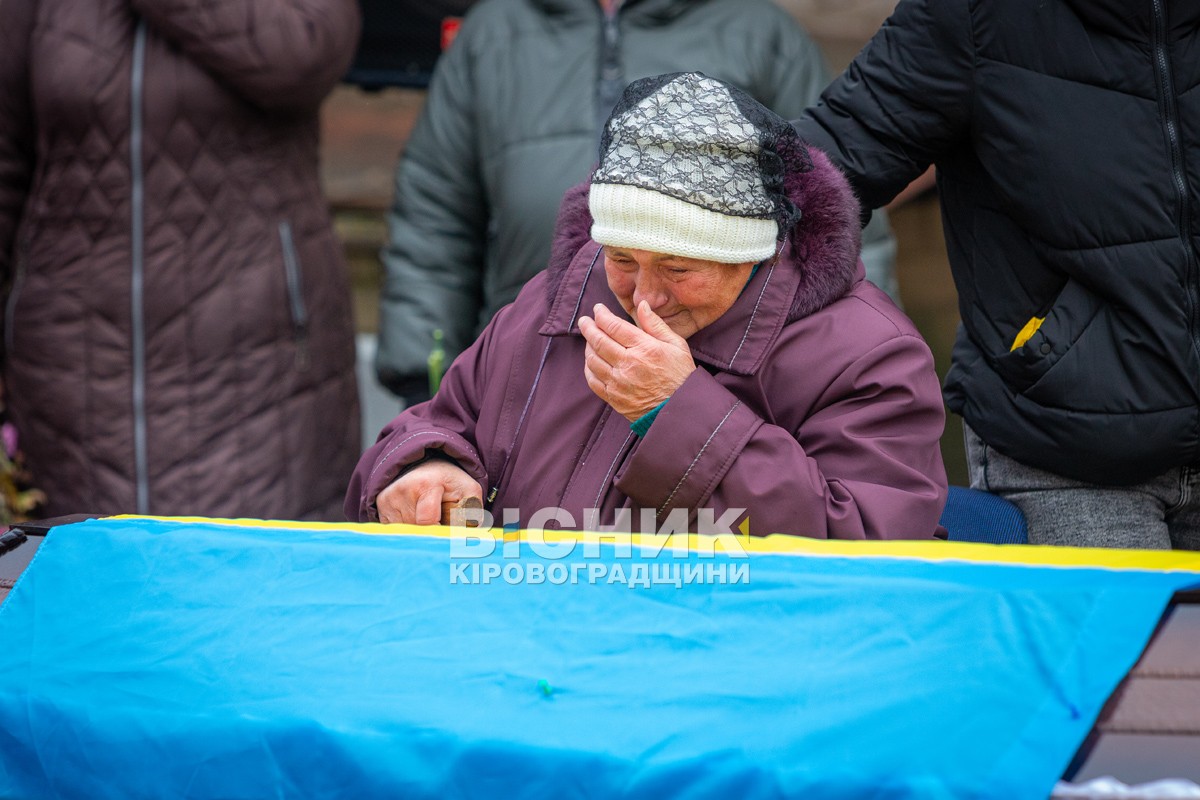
1150 728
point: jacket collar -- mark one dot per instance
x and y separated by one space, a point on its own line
643 11
817 264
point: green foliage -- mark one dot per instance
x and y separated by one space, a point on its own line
17 499
437 362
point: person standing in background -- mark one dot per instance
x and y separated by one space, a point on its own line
512 120
1066 136
178 329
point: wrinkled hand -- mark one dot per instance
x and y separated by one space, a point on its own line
426 493
632 368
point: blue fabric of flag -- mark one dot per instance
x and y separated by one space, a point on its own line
155 658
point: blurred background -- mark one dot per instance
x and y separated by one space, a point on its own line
367 120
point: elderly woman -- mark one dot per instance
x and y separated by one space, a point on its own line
703 344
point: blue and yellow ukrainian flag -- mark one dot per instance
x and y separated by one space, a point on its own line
202 659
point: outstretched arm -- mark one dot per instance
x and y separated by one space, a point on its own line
902 102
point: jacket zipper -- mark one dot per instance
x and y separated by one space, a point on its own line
516 440
137 258
291 269
10 305
611 78
512 448
1166 85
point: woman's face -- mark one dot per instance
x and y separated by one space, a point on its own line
688 293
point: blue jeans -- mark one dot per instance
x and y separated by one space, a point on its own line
1158 514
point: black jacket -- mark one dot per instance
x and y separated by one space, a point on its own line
1066 135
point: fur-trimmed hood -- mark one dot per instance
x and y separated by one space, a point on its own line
822 247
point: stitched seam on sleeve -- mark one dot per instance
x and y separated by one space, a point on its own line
409 438
734 452
711 436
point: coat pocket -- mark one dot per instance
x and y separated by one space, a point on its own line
295 293
1041 345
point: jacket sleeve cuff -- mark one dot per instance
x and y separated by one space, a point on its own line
694 441
409 449
642 424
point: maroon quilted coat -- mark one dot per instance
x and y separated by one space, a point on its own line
178 333
816 408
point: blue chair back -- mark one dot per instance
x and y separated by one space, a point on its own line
975 516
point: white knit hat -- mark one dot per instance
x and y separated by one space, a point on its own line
680 174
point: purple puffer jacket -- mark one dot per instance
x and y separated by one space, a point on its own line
816 408
178 336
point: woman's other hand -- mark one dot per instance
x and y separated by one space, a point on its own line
425 494
633 368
